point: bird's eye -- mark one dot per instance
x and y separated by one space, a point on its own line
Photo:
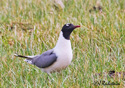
67 24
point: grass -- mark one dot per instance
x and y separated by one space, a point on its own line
98 46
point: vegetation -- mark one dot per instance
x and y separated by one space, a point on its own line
30 27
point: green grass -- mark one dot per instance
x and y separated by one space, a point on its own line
98 46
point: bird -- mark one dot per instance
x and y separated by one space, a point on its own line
57 58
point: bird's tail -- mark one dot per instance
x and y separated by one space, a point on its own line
28 58
22 56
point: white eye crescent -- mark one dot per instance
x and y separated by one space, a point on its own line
67 24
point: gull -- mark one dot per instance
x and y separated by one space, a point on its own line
59 57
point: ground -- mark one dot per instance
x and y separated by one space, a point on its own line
30 27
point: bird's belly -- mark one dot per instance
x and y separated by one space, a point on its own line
62 62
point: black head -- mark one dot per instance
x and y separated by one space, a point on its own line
67 30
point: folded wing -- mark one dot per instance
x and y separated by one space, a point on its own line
45 60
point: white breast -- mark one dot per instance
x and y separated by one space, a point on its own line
63 51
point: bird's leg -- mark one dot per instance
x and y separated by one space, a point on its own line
52 78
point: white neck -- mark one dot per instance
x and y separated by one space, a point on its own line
63 43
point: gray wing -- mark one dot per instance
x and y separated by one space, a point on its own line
46 59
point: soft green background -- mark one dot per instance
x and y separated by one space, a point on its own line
30 27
